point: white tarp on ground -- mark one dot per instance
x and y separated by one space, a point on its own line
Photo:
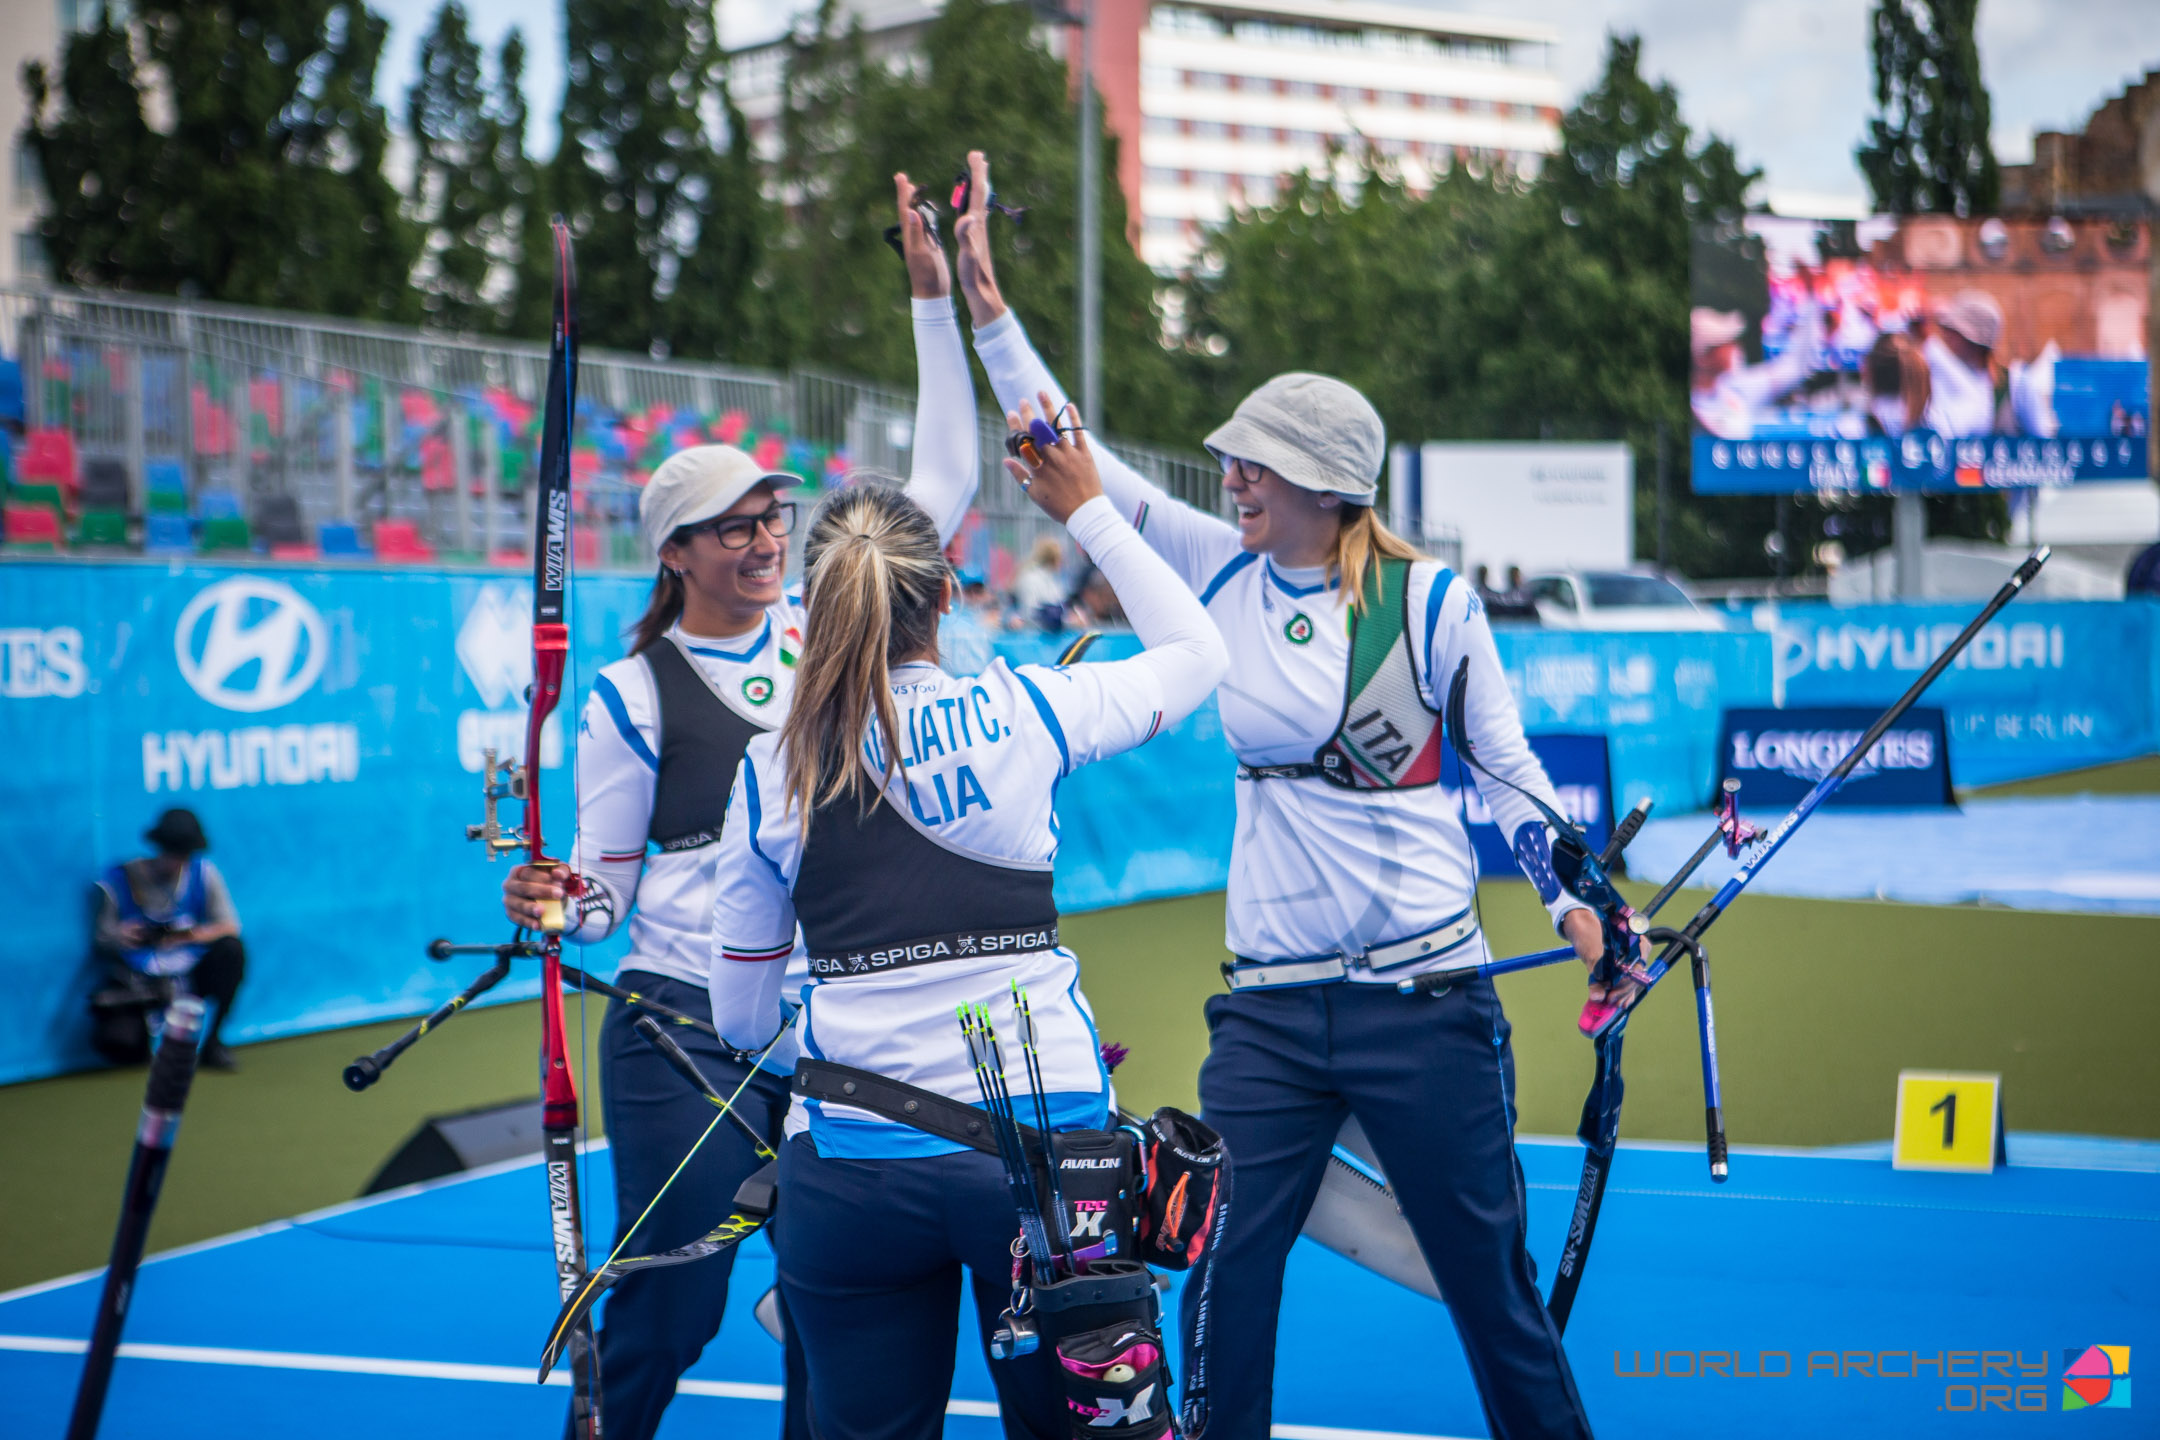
2087 852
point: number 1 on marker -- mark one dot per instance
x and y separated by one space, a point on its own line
1948 1106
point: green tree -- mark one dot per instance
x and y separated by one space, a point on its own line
985 82
261 179
471 179
666 213
1927 148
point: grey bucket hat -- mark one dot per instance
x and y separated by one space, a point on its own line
1313 430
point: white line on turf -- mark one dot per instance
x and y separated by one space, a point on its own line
273 1227
514 1375
402 1369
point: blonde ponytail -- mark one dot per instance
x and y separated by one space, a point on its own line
876 574
1359 544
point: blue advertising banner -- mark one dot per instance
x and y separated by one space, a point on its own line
1779 755
2047 686
1581 771
328 725
1659 699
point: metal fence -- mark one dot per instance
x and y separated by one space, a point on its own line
297 423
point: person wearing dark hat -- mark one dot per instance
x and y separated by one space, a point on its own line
169 917
1350 871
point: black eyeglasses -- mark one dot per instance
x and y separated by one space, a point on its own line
734 532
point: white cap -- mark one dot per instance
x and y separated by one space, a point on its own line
1974 314
1313 430
697 484
1709 328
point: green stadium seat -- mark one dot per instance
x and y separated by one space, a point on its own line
36 492
102 527
165 502
225 532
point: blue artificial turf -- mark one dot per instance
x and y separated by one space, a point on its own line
1825 1260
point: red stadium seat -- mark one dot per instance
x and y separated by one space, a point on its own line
398 541
35 525
48 455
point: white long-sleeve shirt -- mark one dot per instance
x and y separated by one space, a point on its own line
980 759
1314 869
667 897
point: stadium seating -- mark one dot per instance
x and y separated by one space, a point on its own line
277 521
225 532
31 527
102 527
218 505
165 487
104 484
167 534
339 541
399 541
48 455
36 492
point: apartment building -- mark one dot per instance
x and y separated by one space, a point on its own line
1215 101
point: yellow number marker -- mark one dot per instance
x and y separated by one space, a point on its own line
1948 1120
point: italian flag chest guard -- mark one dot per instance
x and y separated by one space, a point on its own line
1388 737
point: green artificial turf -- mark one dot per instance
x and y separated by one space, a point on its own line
1820 1004
2126 777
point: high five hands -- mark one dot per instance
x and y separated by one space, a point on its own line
1051 460
927 276
971 237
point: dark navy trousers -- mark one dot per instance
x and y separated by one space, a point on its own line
1432 1081
655 1324
871 1254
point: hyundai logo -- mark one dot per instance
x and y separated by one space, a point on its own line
250 644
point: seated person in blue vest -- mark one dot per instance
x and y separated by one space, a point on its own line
1349 871
906 820
169 917
713 663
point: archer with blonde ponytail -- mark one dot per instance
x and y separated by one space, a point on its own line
906 820
1349 872
711 663
878 580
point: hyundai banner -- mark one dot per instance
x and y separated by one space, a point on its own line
1779 755
2047 686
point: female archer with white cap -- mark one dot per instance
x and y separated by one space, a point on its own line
1349 871
711 666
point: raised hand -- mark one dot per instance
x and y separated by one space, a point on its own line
1059 477
971 236
927 275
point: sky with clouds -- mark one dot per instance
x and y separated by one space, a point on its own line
1789 81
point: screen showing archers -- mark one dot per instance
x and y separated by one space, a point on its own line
1921 352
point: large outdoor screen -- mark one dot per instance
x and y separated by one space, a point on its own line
1922 352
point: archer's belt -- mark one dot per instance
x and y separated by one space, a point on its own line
929 949
1450 934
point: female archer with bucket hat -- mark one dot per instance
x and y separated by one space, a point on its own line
712 665
1349 871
